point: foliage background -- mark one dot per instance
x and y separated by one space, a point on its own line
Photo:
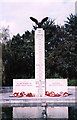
18 53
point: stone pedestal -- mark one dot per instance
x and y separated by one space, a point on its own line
60 113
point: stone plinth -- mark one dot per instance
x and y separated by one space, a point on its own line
37 112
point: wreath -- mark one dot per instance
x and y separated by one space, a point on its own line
16 94
52 94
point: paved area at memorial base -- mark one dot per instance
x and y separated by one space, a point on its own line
39 101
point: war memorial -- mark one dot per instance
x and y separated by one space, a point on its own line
40 97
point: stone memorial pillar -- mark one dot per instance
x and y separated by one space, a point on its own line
39 85
40 61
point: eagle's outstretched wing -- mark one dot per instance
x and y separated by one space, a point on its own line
43 20
34 20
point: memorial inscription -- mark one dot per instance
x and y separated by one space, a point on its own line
56 85
24 85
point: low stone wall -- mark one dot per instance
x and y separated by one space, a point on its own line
6 89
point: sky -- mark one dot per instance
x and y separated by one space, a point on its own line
17 13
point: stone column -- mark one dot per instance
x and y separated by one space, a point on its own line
40 61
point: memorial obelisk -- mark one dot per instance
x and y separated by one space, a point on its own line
40 57
40 61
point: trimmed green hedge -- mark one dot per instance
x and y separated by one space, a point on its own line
72 82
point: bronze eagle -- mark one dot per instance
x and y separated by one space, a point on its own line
39 23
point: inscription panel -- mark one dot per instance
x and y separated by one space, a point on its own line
56 85
56 82
25 85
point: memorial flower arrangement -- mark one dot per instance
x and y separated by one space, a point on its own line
65 94
52 94
21 94
30 95
47 93
16 94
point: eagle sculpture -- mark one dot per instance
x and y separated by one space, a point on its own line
39 23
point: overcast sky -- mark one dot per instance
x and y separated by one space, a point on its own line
16 13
